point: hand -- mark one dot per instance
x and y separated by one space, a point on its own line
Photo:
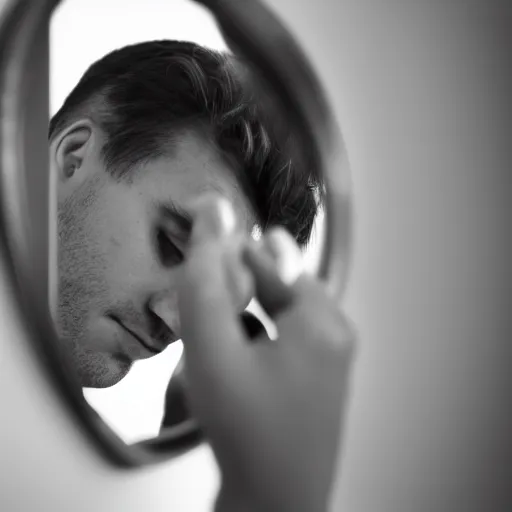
271 409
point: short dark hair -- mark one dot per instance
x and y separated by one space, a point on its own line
141 94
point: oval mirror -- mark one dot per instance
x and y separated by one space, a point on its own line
133 123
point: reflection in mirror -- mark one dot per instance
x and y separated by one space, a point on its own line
148 128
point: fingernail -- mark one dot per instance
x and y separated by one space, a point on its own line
226 215
286 254
213 216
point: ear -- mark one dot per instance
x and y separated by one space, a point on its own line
70 149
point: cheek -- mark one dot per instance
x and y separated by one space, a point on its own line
79 245
122 229
82 287
130 256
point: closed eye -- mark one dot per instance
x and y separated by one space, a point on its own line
168 253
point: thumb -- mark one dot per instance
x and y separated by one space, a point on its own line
276 264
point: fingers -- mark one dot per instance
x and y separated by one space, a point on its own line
211 325
286 254
276 264
253 327
209 320
299 304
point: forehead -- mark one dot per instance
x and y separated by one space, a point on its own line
192 168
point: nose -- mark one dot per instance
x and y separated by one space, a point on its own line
163 309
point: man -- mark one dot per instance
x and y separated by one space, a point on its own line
146 133
147 129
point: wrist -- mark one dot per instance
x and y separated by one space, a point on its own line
230 499
233 499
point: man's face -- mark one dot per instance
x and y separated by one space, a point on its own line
120 245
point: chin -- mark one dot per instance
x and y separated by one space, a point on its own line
104 382
106 375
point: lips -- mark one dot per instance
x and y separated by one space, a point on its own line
147 344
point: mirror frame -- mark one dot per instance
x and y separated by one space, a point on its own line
250 29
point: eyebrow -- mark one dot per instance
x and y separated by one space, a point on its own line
184 222
177 214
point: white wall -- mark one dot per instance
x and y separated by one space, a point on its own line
82 32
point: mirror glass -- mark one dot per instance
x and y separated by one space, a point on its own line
129 145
